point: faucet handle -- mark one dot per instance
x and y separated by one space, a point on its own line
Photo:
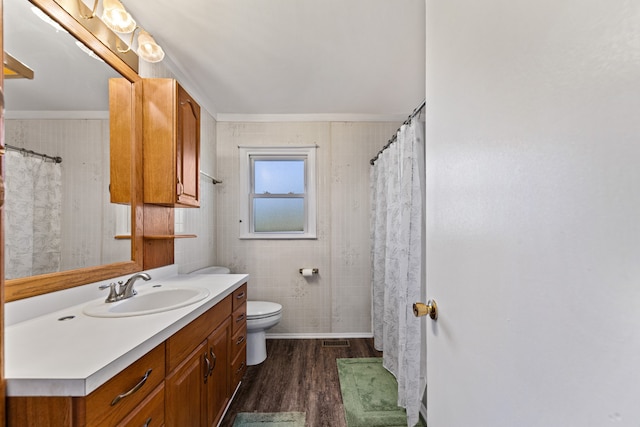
113 294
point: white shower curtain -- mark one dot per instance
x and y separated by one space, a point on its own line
32 215
397 229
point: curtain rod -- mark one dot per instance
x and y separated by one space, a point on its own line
55 159
393 139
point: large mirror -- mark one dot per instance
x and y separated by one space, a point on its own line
60 226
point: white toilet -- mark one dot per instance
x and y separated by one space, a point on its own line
261 315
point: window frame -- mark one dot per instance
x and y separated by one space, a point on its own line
247 157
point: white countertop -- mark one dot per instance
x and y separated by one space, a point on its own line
48 357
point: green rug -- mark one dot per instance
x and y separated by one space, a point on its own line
370 394
270 419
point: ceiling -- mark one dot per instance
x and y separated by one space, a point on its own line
65 80
257 57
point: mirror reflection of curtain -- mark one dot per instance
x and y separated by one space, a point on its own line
32 219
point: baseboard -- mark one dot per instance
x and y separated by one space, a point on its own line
319 335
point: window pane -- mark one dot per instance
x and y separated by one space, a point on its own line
278 176
278 214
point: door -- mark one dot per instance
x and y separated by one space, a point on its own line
188 149
218 384
185 390
2 382
533 213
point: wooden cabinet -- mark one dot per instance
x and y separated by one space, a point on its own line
188 380
171 144
218 392
136 393
198 389
115 399
207 341
150 413
239 337
185 402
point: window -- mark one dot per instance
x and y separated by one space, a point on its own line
278 193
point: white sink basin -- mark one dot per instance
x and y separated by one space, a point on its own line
148 301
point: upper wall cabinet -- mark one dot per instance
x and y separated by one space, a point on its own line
171 144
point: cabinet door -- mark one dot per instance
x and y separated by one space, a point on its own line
150 413
188 149
185 403
218 384
171 140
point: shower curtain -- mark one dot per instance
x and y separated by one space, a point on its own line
32 215
397 227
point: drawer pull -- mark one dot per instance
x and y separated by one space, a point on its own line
135 388
240 340
207 371
240 295
240 368
147 423
214 358
240 318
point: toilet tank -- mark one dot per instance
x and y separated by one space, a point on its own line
214 269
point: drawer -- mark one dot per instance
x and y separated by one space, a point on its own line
238 341
239 319
238 368
239 296
183 342
150 413
110 403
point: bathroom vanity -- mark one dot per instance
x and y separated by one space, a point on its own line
176 368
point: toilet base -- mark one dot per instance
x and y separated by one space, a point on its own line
256 347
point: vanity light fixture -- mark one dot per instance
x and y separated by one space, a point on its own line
116 17
148 49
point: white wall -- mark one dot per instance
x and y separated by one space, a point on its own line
533 142
337 301
192 254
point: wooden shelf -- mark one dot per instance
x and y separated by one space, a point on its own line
159 236
169 236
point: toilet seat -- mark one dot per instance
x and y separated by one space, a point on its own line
262 309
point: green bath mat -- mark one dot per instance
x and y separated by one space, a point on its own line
269 419
370 394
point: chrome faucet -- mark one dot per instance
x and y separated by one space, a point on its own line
126 289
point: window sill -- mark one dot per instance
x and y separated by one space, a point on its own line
278 236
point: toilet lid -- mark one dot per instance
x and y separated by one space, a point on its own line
261 309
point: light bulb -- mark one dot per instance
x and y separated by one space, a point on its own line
148 49
116 17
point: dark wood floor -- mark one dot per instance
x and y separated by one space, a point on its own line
298 376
